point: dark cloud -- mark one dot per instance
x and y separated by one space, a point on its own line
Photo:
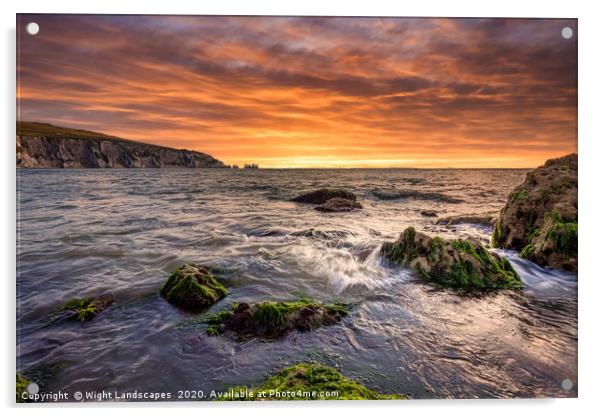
283 87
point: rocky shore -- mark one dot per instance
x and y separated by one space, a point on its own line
540 216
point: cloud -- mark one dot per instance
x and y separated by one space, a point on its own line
348 90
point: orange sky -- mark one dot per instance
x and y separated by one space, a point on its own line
310 92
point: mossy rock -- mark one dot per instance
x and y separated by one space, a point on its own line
275 319
457 263
84 309
308 381
322 195
539 219
193 288
21 384
555 243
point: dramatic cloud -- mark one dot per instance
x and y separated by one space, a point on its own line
310 92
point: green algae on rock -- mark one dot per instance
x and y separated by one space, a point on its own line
21 384
275 319
193 288
307 381
540 216
84 309
452 263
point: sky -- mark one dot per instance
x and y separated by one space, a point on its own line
310 92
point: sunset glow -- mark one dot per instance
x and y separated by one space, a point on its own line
310 92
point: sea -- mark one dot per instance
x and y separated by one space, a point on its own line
120 233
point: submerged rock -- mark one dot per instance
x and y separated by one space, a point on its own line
192 288
338 205
411 193
322 234
322 195
428 213
451 263
84 309
275 319
467 219
307 381
540 216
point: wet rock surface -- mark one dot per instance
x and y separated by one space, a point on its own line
428 213
330 200
338 205
451 263
193 288
540 216
467 219
84 309
275 319
322 195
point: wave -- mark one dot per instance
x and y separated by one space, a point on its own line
342 269
323 234
388 195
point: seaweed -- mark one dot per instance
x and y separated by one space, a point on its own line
521 195
456 264
85 309
193 288
275 319
309 381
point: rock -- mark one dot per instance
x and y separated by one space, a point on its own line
307 381
540 216
41 145
275 319
84 309
322 195
338 205
322 234
388 195
451 263
467 219
428 213
193 288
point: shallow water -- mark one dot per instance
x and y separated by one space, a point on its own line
120 232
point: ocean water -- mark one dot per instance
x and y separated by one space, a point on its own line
121 232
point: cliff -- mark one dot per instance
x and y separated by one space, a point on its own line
42 145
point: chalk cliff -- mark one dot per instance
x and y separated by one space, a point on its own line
41 145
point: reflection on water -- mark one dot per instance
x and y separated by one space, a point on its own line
120 232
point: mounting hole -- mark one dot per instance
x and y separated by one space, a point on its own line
32 28
567 384
33 388
566 32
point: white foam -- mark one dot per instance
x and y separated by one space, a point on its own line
339 266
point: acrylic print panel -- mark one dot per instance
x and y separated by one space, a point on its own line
271 208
